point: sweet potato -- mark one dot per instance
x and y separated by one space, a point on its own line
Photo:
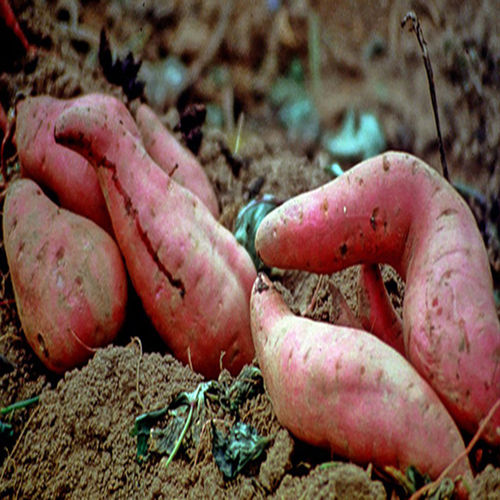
346 390
172 157
395 209
68 277
193 277
375 310
59 169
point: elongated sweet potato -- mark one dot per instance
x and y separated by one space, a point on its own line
193 277
395 209
171 156
67 174
346 390
375 311
68 277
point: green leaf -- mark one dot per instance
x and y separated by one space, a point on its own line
163 441
444 491
400 478
248 221
188 415
186 408
358 138
6 432
142 428
248 384
296 109
195 397
416 479
234 451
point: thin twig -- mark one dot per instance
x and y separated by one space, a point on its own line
415 26
239 130
467 450
195 461
137 340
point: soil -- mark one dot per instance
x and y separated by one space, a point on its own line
76 442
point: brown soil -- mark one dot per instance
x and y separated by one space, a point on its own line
76 442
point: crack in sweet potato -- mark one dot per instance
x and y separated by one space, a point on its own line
132 212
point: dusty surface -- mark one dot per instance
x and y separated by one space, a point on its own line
76 442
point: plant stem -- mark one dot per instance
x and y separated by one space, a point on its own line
19 405
181 437
411 16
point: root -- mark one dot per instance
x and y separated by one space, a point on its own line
137 340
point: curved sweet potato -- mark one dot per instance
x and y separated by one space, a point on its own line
68 277
395 209
193 277
67 174
346 390
171 156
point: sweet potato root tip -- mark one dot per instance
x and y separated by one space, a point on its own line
375 310
260 284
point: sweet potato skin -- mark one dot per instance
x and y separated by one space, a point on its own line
59 169
68 277
344 389
375 311
193 278
172 157
395 209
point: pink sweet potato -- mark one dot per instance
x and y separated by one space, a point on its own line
395 209
375 310
193 277
346 390
68 277
59 169
172 157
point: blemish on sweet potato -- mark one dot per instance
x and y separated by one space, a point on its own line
41 345
132 212
386 164
373 218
